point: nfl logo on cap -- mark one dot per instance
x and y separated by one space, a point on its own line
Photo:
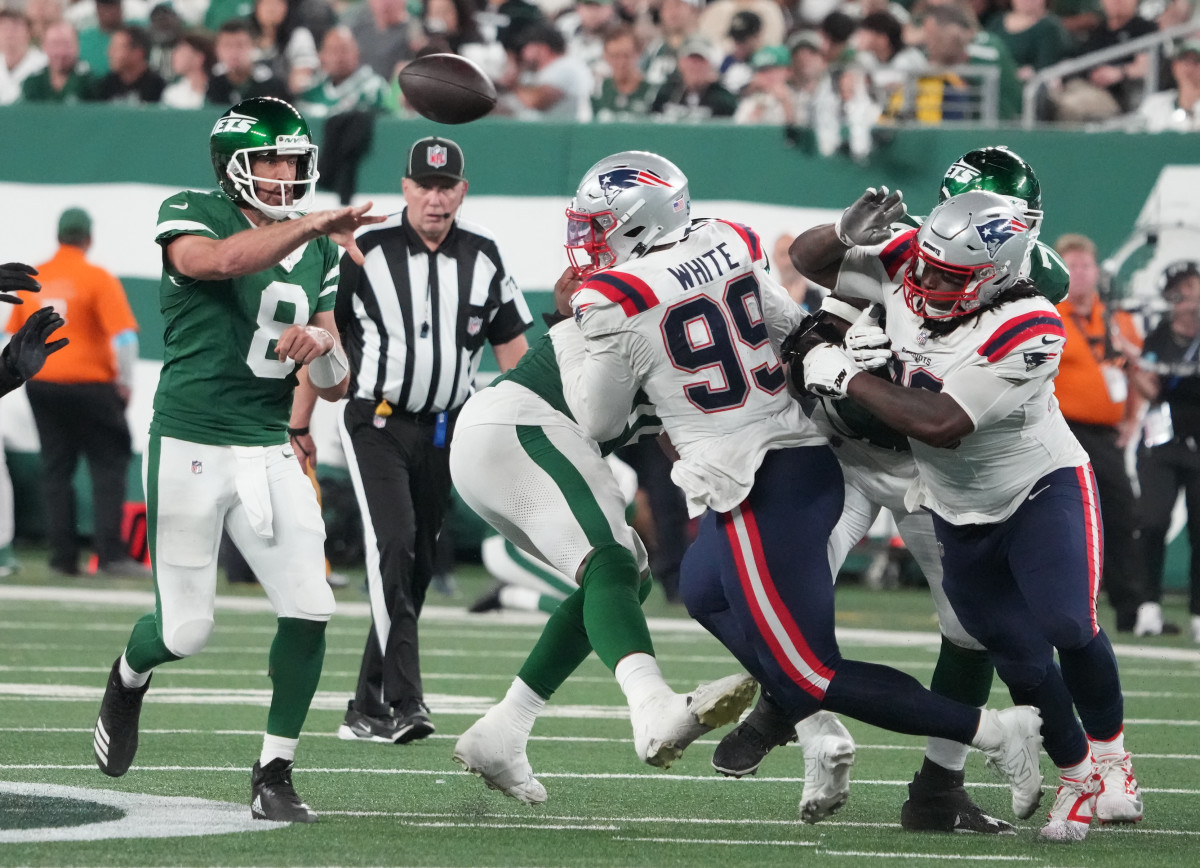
436 156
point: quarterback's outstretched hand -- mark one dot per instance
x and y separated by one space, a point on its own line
869 346
28 349
17 277
828 370
868 221
340 224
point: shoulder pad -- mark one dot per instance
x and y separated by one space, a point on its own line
897 252
632 294
1017 329
749 237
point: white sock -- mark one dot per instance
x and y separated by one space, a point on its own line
130 678
1079 772
521 599
990 734
276 747
522 705
948 754
1113 747
640 678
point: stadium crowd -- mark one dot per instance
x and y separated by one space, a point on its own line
835 67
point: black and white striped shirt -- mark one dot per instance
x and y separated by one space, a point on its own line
414 321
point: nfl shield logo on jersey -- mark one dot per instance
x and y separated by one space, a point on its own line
474 324
436 156
197 467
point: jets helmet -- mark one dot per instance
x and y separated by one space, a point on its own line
969 250
625 205
997 170
256 127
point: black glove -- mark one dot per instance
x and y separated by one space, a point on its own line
869 220
27 351
17 277
813 331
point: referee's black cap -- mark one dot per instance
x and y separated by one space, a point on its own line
435 157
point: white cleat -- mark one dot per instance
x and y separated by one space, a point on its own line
1017 733
1072 812
666 723
828 757
1119 799
495 750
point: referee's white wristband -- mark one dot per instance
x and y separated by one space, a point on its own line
328 370
840 309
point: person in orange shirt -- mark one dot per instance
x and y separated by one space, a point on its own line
78 399
1093 392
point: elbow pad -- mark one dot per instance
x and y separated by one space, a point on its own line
328 370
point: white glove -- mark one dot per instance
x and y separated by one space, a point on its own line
868 221
869 346
828 370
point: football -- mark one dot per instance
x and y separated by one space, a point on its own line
447 88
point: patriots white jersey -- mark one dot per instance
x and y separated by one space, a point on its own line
697 326
999 367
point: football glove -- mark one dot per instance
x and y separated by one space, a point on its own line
868 221
28 349
866 341
17 277
813 331
828 370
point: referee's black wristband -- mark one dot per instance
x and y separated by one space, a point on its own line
297 432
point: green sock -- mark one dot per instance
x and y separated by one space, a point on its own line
296 657
612 608
560 649
962 674
146 649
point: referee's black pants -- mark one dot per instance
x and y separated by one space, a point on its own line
1163 471
86 419
402 480
1125 578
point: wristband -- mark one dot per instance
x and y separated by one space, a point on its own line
297 432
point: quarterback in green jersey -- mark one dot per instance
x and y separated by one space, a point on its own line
247 292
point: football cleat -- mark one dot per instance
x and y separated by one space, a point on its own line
1119 799
272 796
413 722
1014 753
828 757
488 601
743 750
666 723
367 727
494 750
1072 812
115 741
945 806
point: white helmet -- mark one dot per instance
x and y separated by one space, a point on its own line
625 205
977 243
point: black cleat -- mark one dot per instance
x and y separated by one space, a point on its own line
413 723
488 602
272 796
115 741
742 750
937 802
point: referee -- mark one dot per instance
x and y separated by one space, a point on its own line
413 320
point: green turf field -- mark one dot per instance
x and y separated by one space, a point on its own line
385 805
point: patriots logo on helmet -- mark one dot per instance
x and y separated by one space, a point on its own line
612 183
995 232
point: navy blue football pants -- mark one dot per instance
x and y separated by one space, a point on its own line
1027 586
757 577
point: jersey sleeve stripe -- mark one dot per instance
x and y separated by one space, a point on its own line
632 294
898 252
333 273
327 290
182 226
748 235
1018 330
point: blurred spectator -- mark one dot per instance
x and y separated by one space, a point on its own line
768 98
130 79
1094 395
41 14
220 11
165 29
549 85
505 21
380 28
1122 79
1078 17
585 27
344 82
237 76
624 95
284 44
453 20
693 93
745 38
1035 38
192 62
802 292
66 78
1178 108
18 58
716 19
844 114
882 53
836 30
1169 459
808 69
677 20
97 28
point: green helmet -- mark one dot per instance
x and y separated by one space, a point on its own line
258 126
995 170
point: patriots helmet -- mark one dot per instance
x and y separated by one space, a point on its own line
969 250
997 170
624 205
260 126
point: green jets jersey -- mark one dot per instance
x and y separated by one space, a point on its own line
221 382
